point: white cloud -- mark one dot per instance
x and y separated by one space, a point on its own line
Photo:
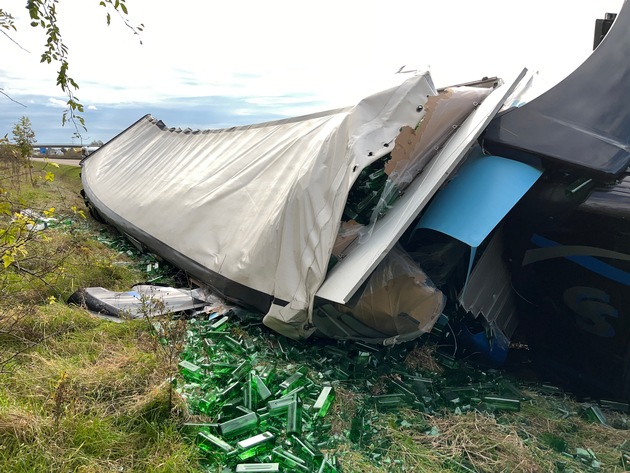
92 107
53 102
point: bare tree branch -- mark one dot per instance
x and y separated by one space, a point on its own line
11 98
14 41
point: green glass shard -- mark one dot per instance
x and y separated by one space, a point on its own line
301 390
221 369
241 370
368 202
420 385
549 389
250 395
388 401
294 417
403 389
379 174
308 450
365 347
362 361
265 437
324 401
214 333
268 375
335 352
255 445
258 467
233 344
340 373
508 388
244 409
293 381
583 454
211 443
219 323
279 406
229 392
351 214
249 345
190 371
446 360
290 461
239 425
261 388
206 406
218 369
439 328
196 427
328 465
502 403
234 403
595 414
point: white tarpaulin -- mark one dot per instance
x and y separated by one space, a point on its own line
259 205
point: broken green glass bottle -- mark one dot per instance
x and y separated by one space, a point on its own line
211 443
294 417
239 425
256 445
291 462
190 371
324 401
261 388
502 403
258 467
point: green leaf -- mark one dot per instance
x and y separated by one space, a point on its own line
7 259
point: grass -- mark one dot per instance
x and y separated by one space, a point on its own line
83 394
88 395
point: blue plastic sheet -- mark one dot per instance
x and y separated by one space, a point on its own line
483 192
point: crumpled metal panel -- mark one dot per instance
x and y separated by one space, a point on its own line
489 289
349 274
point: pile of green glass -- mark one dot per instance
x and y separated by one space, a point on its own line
372 190
265 417
263 401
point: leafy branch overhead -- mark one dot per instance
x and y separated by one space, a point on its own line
43 14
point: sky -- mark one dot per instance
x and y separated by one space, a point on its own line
204 64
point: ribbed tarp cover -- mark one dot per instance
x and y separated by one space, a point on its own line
259 205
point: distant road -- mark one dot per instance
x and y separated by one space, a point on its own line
64 161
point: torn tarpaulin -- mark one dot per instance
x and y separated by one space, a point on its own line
398 300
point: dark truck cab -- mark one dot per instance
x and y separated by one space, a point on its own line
568 239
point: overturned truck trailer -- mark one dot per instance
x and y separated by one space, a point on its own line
371 222
256 211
